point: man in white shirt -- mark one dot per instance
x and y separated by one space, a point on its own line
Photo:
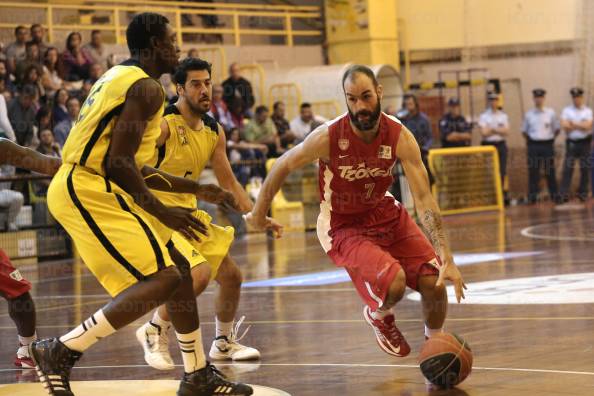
576 121
540 128
305 122
494 127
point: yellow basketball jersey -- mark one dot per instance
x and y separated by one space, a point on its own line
185 153
90 137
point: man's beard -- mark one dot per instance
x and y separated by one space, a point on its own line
197 108
372 118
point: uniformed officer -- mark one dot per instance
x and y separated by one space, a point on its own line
494 127
540 128
455 130
576 121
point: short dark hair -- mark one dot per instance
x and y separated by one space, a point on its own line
142 29
413 97
16 29
95 31
181 72
28 90
35 25
359 69
305 105
261 109
276 104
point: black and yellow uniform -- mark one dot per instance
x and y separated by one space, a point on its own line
185 154
111 232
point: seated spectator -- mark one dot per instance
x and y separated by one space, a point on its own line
262 130
62 129
11 200
305 122
43 120
247 159
238 94
21 112
32 77
193 53
50 77
59 111
16 51
6 130
75 61
282 124
31 59
47 146
219 110
37 32
84 91
96 50
95 72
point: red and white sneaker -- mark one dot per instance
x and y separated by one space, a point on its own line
23 359
389 338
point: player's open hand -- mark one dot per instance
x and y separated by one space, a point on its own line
449 271
183 220
263 223
216 195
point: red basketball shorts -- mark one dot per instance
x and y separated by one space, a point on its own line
374 246
12 283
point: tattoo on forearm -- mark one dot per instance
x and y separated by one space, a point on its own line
431 222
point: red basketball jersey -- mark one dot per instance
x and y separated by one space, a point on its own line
358 174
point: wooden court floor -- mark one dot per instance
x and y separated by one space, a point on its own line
531 327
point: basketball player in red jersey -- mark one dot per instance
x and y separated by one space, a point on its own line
361 226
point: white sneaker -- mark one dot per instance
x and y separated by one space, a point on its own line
224 348
155 342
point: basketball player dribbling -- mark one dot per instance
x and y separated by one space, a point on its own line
361 226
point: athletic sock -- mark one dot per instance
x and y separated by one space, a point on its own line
88 332
158 321
380 313
223 328
431 332
27 340
192 351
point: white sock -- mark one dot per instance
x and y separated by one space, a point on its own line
27 340
192 350
159 321
380 313
431 332
88 332
224 328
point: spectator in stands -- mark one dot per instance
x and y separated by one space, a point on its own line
60 112
282 124
21 112
10 200
62 129
6 86
193 53
96 50
31 58
43 120
37 32
32 77
49 147
219 110
247 159
50 77
494 127
238 94
540 128
420 126
16 51
262 130
95 72
576 121
455 131
85 90
305 122
6 130
76 62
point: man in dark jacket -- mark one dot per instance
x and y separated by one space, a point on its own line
237 93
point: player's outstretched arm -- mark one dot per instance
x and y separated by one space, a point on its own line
23 157
408 152
143 100
315 146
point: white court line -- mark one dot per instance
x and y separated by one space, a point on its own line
347 365
528 232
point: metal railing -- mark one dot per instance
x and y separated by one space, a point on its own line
286 14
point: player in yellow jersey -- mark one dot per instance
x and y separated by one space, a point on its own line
100 197
190 139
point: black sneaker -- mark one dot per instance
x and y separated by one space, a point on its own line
209 381
53 362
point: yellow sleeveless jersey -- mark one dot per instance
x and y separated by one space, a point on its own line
90 137
185 153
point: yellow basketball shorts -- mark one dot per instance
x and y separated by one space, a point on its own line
111 233
211 250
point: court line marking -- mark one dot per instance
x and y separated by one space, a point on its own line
528 233
345 321
348 365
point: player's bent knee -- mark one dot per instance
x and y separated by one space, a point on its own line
171 278
229 274
200 278
397 288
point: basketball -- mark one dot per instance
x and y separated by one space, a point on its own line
446 360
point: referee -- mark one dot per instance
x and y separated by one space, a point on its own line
540 128
576 121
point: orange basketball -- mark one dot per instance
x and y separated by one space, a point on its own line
445 360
